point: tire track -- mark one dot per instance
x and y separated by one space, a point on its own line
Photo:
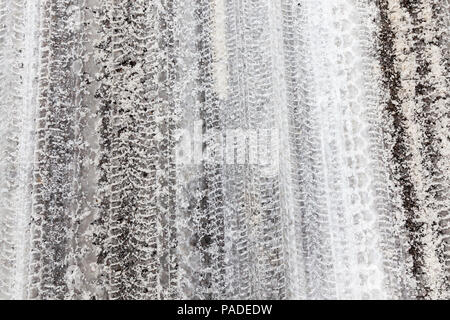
224 149
292 24
405 63
54 196
210 232
17 104
138 213
235 184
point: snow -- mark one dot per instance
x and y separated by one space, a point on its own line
238 149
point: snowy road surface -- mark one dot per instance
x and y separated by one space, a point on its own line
224 149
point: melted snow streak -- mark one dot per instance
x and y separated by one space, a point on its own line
224 149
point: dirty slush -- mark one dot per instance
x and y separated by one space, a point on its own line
224 149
